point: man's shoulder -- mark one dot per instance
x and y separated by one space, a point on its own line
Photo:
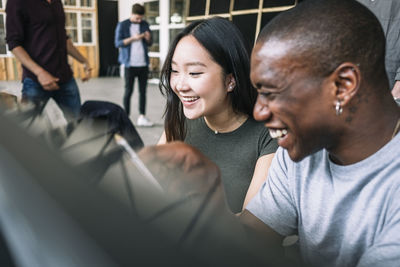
144 23
124 22
20 4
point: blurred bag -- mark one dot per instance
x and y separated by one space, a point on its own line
116 119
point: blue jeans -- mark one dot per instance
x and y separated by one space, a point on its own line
67 97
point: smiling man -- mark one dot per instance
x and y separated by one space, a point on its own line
323 92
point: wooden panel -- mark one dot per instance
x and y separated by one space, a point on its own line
19 69
10 69
83 51
11 72
3 69
88 52
93 60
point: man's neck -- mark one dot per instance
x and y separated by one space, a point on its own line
365 137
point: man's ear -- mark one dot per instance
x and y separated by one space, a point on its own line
347 78
230 82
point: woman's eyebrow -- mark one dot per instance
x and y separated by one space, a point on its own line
194 63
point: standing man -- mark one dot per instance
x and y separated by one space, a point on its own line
36 36
388 14
133 36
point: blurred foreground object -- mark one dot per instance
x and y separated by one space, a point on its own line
51 217
85 203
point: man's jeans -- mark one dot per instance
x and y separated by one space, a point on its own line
67 97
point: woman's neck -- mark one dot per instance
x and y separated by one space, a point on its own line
225 122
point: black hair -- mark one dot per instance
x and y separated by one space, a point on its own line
226 46
138 9
326 33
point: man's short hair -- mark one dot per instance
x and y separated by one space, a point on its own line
327 33
138 9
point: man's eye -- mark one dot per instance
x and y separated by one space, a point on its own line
266 94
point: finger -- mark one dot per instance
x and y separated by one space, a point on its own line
53 86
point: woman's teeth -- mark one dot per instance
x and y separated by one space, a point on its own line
189 98
275 133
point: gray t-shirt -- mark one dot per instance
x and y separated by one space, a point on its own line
235 153
344 215
138 58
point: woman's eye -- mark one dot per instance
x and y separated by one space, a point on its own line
174 71
195 73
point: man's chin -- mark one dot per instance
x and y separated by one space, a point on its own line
296 156
299 154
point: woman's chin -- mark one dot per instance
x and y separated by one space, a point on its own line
190 115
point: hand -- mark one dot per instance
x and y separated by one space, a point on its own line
181 169
396 90
137 37
48 81
147 36
87 70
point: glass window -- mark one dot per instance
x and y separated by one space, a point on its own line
70 2
219 6
197 7
246 4
86 3
155 47
247 25
266 17
154 67
1 3
86 20
274 3
172 34
152 12
177 11
71 25
3 47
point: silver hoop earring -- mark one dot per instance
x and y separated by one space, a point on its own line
338 108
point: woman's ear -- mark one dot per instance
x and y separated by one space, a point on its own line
230 82
347 78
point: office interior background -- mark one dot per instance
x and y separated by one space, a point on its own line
91 25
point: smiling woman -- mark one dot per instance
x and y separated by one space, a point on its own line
210 99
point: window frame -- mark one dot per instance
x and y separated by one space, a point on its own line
229 15
8 52
80 28
78 5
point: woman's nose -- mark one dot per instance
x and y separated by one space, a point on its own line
181 84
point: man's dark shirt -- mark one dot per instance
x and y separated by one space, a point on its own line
39 27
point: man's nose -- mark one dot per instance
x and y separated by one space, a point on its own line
261 111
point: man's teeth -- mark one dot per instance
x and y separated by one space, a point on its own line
277 133
190 98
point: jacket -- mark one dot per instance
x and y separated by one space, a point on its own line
122 32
